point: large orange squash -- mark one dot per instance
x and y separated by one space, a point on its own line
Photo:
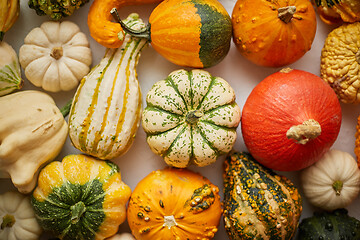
273 33
174 204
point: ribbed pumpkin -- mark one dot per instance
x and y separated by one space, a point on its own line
9 13
258 204
191 118
337 11
190 33
273 33
290 119
106 109
80 198
174 204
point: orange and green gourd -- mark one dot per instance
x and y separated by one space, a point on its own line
258 204
80 198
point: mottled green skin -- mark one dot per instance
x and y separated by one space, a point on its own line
54 213
244 181
56 9
329 3
215 36
336 225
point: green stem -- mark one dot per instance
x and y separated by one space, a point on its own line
193 116
8 221
77 211
145 33
337 186
66 109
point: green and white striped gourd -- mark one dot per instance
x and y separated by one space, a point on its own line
106 109
10 73
191 118
258 204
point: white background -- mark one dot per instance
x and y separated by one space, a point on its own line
242 75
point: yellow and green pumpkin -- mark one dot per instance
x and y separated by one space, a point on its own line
197 36
80 198
258 204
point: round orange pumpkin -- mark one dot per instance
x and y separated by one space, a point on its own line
174 204
273 33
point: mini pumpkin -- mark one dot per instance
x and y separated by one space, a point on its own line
338 11
174 204
17 218
273 33
9 13
80 198
191 118
333 182
340 62
55 56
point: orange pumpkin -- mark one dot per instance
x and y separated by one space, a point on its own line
273 33
174 204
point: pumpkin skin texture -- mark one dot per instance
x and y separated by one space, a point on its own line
338 11
290 119
106 109
258 204
80 198
332 182
197 36
191 118
174 204
340 62
273 33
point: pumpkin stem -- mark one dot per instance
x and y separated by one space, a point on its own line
8 221
192 117
304 132
77 211
56 52
169 221
337 186
66 108
286 13
143 33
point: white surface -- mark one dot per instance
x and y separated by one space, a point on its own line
240 73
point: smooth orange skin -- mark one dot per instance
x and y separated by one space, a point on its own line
100 23
173 187
264 39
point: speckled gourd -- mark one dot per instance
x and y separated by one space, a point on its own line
106 109
191 118
258 204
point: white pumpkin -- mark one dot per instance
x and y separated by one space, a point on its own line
122 236
55 56
17 218
333 182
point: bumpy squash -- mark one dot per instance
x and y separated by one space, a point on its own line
102 29
258 204
337 11
106 109
25 146
197 36
80 198
10 72
340 62
174 204
273 33
9 13
191 118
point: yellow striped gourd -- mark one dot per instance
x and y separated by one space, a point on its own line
106 108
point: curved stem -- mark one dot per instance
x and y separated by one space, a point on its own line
286 13
304 132
145 33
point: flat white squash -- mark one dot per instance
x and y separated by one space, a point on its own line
106 109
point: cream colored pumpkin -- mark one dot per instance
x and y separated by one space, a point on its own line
17 218
191 118
55 56
332 182
32 133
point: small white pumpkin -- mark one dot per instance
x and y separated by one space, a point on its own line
55 56
122 236
17 218
332 182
